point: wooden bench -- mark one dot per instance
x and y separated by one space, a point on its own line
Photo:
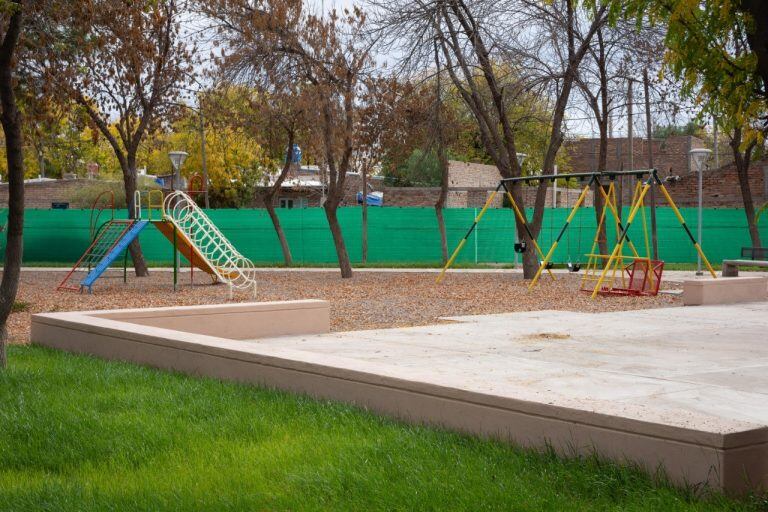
731 267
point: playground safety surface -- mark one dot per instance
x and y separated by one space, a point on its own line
681 389
367 301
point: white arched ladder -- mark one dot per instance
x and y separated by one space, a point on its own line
229 266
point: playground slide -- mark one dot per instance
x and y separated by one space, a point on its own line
184 246
185 225
112 255
202 235
112 241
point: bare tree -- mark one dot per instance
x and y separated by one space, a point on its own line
442 158
272 113
287 116
492 69
331 57
126 72
12 18
380 116
600 81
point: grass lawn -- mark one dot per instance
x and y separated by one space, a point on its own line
81 434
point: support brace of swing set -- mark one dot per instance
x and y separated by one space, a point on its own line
518 214
652 178
505 183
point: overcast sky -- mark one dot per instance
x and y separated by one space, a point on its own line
580 122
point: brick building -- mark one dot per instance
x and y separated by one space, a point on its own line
720 187
670 155
469 187
471 183
42 193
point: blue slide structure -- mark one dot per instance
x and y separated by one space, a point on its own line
114 252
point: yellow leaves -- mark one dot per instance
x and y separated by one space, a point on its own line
229 152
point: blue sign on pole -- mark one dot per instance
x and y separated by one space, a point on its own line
296 154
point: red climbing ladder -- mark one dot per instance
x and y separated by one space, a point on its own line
106 238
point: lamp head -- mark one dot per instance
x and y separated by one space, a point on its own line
177 159
699 158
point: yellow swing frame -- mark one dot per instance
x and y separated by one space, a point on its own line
518 213
616 257
595 259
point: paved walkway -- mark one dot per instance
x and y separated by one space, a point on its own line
704 367
669 275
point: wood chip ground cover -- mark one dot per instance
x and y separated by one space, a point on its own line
369 300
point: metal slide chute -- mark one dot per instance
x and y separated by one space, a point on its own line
197 230
109 242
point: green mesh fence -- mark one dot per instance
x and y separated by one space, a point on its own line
395 235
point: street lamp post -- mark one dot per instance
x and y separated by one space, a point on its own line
699 159
177 160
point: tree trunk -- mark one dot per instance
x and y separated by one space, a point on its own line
530 258
440 204
742 162
269 199
270 206
130 183
442 157
749 206
14 154
597 197
345 266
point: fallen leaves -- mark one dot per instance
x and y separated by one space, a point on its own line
368 300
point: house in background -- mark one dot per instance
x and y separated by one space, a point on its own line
304 187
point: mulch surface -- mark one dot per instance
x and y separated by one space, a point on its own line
368 300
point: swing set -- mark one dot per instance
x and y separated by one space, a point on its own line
616 272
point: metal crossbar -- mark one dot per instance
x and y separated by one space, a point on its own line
578 175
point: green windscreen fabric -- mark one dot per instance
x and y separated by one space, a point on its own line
395 235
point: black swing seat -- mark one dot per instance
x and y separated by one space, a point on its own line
574 267
548 266
520 246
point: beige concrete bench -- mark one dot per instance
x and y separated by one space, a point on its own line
697 292
731 267
243 321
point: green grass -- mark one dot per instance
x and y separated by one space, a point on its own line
20 306
77 433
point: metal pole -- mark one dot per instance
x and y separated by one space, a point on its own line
652 191
717 151
554 190
476 239
630 136
175 259
464 240
701 201
203 155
